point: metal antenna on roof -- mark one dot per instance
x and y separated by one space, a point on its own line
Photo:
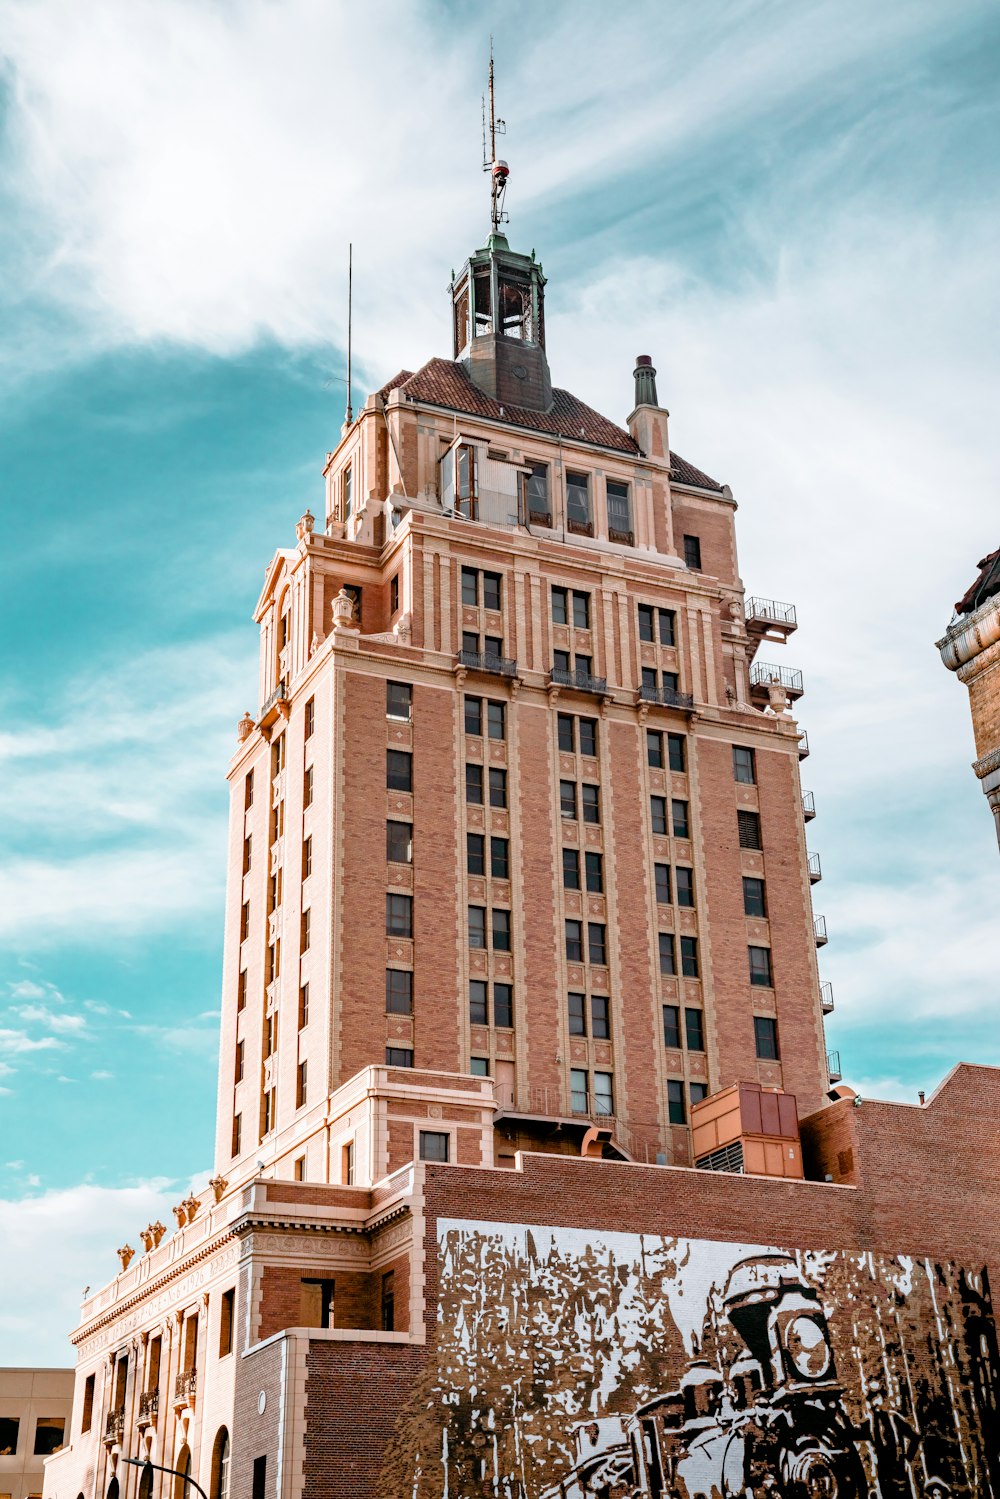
499 170
349 414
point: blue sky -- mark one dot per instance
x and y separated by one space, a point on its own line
791 206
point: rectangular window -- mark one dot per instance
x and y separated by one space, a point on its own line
571 869
49 1432
303 1006
697 1092
668 626
595 873
477 926
398 770
307 857
536 495
567 799
672 1027
676 1111
588 737
590 802
754 897
744 768
503 1006
270 1034
748 826
470 587
479 1011
492 591
565 735
434 1145
394 594
399 701
399 915
479 1066
574 941
310 719
237 1133
578 504
646 617
760 967
241 990
248 791
560 606
245 921
597 943
398 991
604 1097
685 885
88 1407
658 815
500 858
581 610
475 854
301 1084
649 680
474 785
560 660
305 931
399 1056
347 479
694 1030
692 552
470 642
496 720
498 787
501 931
677 752
247 853
670 680
654 748
347 1164
577 1011
399 842
668 962
689 957
661 875
474 716
679 818
619 512
238 1068
259 1481
765 1033
600 1017
300 1168
579 1091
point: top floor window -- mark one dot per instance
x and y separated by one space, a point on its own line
535 494
482 588
398 700
619 513
570 606
578 516
657 624
692 552
466 491
348 482
743 765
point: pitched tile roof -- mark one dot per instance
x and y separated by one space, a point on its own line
985 587
443 382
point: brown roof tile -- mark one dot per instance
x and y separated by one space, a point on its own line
442 382
985 587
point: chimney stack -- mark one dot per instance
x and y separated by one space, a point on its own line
645 381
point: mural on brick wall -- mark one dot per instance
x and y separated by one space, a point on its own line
576 1365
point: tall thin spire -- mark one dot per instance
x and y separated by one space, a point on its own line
498 169
349 413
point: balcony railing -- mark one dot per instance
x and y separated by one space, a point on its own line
114 1426
277 696
770 612
803 745
667 697
808 806
826 997
764 672
149 1406
623 538
819 931
815 870
185 1386
582 681
497 666
833 1066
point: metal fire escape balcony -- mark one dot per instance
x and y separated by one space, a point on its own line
272 706
579 681
487 662
149 1407
819 931
667 697
826 997
114 1426
185 1386
803 745
815 871
808 806
767 619
763 673
833 1066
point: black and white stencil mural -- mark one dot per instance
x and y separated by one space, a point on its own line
577 1365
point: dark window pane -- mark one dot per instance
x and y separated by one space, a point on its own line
578 501
564 722
677 755
399 842
646 613
470 642
492 590
591 803
649 679
500 858
477 926
748 825
567 798
754 897
571 869
676 1111
662 877
760 966
574 941
697 1091
475 853
496 720
501 931
396 1056
654 749
536 493
668 962
679 817
658 815
689 957
560 602
672 1026
588 736
399 915
692 552
433 1146
619 510
470 586
765 1031
474 784
577 1014
398 699
493 646
743 765
581 610
668 627
685 885
398 770
498 788
579 1090
479 1066
479 1013
597 947
398 991
694 1028
560 660
474 715
584 665
503 1006
670 681
604 1098
600 1019
595 873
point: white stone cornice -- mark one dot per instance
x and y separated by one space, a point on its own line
970 636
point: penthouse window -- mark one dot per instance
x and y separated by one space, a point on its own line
619 513
535 495
347 480
744 769
579 518
692 553
399 915
399 701
398 991
398 770
399 1056
466 476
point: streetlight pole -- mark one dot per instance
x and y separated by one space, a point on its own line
144 1462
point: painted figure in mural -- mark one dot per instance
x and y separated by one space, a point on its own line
895 1444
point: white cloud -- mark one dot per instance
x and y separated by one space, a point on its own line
60 1024
26 989
18 1043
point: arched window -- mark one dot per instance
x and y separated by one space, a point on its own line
113 1489
220 1465
182 1468
146 1484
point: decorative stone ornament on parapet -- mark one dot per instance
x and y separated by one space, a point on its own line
304 527
244 728
218 1185
125 1254
180 1213
191 1205
345 631
777 699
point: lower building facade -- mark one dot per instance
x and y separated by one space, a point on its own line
35 1407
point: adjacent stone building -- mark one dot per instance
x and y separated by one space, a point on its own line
35 1407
